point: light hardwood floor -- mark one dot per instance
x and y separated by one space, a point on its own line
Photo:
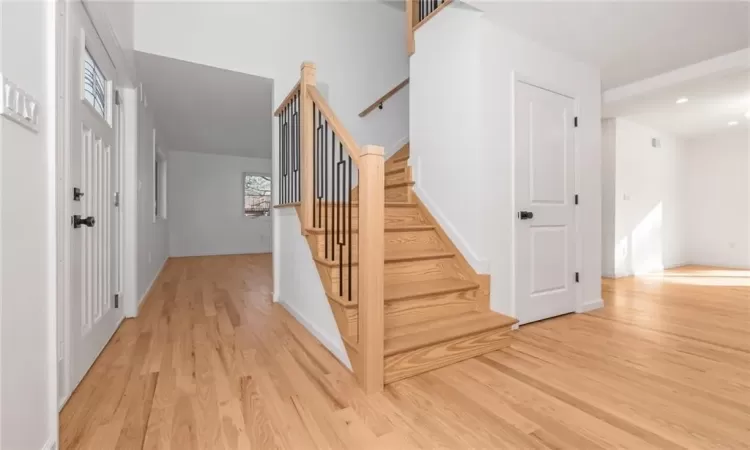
211 363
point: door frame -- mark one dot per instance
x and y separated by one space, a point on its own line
63 187
519 77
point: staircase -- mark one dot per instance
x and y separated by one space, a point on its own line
436 312
404 298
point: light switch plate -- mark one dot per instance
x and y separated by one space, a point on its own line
19 106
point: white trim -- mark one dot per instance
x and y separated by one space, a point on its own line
590 306
480 265
335 346
151 285
54 32
393 148
1 229
129 202
50 444
739 60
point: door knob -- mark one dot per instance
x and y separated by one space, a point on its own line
88 221
525 215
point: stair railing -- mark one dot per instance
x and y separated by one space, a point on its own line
320 164
418 12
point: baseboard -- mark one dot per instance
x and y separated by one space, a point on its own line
51 444
335 346
151 285
590 306
480 265
393 148
264 251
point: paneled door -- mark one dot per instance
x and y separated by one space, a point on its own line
545 203
93 173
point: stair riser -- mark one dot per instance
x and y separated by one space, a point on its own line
397 194
396 165
415 310
408 364
398 177
394 216
394 241
395 272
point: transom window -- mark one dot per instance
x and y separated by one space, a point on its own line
94 82
257 194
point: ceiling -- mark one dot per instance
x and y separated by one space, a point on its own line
203 109
713 102
629 41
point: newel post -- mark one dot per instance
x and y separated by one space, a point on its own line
371 265
307 78
411 12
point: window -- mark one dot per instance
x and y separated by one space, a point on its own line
257 194
94 83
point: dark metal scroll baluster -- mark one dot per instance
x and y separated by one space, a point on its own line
325 182
351 244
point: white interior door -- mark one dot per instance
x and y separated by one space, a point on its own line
545 203
93 170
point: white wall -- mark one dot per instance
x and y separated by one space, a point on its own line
478 214
358 48
152 236
609 133
27 232
716 191
648 223
446 139
301 291
205 205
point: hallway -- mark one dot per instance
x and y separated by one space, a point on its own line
211 363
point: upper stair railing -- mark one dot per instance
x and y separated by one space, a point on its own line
418 12
319 165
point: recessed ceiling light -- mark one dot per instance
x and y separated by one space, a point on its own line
732 123
682 100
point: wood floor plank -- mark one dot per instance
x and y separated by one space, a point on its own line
213 363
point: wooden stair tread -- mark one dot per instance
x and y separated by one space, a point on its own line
399 184
355 203
397 256
414 336
395 171
426 288
416 289
388 228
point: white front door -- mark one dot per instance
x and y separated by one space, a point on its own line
93 173
545 203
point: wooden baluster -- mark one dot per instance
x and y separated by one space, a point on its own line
371 266
307 78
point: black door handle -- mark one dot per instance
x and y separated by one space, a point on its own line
88 221
525 215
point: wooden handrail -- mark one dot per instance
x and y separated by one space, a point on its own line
385 97
287 99
338 127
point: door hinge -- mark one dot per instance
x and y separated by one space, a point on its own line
117 97
117 301
578 278
576 199
575 122
117 199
